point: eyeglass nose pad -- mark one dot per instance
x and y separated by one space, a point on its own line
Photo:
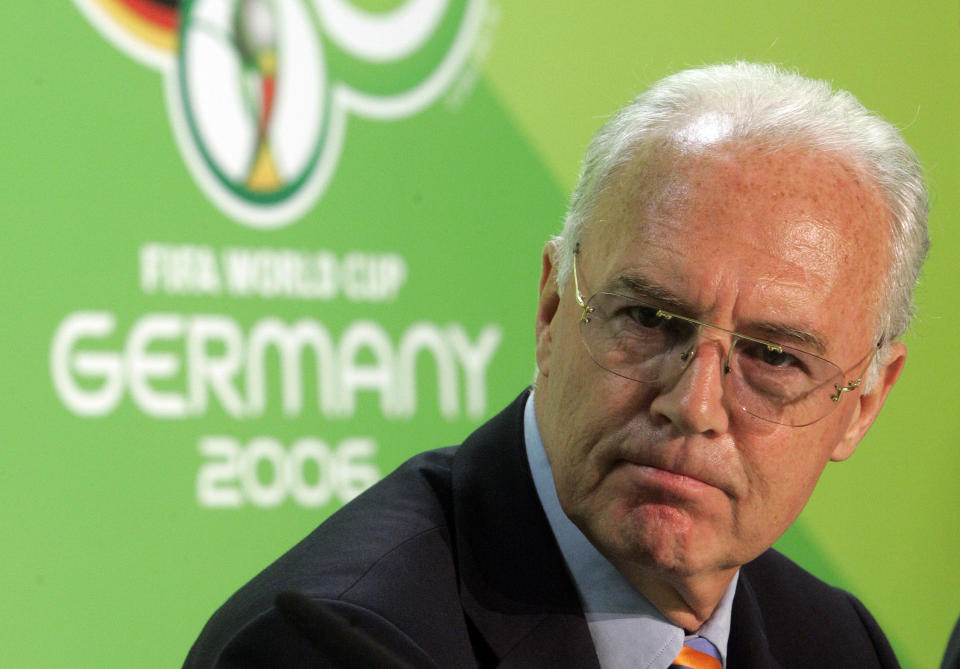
685 356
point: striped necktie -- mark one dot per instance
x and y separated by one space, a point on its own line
697 653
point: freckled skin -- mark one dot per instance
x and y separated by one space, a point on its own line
676 487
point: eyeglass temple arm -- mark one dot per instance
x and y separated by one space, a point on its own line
852 385
576 286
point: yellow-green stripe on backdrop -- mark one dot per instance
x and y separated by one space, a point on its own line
223 318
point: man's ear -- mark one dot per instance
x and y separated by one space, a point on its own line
869 404
547 305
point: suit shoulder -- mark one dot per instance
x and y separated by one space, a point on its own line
802 612
409 504
384 549
291 635
777 579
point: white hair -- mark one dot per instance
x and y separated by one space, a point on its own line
769 106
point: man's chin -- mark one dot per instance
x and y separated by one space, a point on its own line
662 539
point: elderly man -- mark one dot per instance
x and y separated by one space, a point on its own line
719 319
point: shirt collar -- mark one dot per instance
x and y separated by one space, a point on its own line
627 629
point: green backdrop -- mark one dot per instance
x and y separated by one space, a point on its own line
208 348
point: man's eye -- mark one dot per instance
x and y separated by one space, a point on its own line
775 358
645 316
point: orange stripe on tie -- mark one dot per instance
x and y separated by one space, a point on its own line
694 659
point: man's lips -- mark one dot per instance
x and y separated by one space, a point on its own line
668 479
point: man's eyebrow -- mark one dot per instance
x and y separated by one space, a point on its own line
637 285
780 333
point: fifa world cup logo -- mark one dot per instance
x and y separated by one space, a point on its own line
260 91
255 37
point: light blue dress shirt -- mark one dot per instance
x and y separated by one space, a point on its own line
628 631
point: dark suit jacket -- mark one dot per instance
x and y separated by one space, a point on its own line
951 658
450 562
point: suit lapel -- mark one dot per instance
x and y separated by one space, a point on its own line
748 647
514 585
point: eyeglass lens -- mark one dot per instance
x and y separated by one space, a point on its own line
775 383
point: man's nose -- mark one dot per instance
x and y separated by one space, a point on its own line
693 399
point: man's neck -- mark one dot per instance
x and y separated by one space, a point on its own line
686 602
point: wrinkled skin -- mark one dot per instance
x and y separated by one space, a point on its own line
672 484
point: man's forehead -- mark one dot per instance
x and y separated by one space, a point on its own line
667 173
801 203
795 226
